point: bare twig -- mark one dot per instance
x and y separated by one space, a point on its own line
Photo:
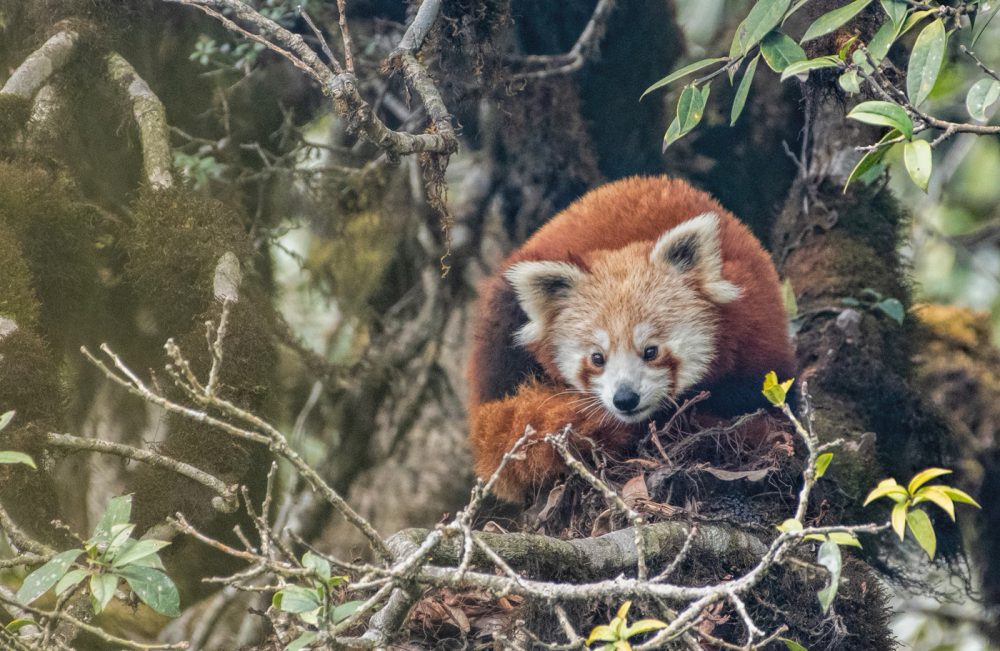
585 48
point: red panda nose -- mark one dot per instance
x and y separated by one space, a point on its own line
626 399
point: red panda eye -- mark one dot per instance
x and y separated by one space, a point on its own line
650 353
597 359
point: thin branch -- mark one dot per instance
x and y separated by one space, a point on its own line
322 41
58 615
585 48
227 494
342 87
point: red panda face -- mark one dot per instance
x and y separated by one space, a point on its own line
638 327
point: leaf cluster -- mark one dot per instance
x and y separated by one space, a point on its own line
761 35
904 515
110 555
316 602
618 632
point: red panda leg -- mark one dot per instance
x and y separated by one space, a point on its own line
496 426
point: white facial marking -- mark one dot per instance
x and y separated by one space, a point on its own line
641 335
692 344
602 339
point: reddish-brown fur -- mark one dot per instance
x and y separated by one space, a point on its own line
510 389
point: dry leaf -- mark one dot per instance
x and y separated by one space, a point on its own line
634 490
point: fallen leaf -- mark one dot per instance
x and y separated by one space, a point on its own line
634 490
731 475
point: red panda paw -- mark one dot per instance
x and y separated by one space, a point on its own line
495 427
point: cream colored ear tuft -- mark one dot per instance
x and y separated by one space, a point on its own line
541 287
694 247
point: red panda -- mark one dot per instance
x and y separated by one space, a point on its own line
640 293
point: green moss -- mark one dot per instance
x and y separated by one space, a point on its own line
17 296
14 114
54 230
173 248
29 382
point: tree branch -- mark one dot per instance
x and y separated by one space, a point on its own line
150 119
227 502
37 69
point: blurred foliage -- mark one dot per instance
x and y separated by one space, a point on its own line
955 239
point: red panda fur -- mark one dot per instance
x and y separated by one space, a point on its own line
511 389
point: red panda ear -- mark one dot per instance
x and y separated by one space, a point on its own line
694 247
541 287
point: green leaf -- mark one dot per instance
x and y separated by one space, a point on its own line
925 476
937 496
868 163
886 488
102 589
983 94
975 37
691 113
774 391
845 48
118 512
850 82
891 307
16 625
296 599
38 582
830 558
925 62
683 72
120 536
915 19
922 530
899 518
802 68
960 496
5 419
788 299
883 114
792 645
742 91
822 462
344 610
602 633
763 17
17 457
896 11
780 51
882 42
790 525
643 626
301 641
317 563
70 579
137 551
154 588
845 538
690 110
830 21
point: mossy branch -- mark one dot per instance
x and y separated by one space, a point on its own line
150 119
39 67
589 558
